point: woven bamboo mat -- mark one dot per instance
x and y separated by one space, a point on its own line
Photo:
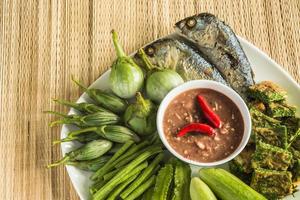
44 42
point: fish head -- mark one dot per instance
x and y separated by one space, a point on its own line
201 28
164 53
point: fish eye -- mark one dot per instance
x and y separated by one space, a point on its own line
150 51
191 22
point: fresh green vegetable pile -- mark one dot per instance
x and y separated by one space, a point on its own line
119 140
270 162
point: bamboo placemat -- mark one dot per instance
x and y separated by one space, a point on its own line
44 42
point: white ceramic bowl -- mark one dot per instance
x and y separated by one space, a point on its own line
205 84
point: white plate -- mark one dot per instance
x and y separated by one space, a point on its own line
264 68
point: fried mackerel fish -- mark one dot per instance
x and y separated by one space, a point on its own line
172 52
219 45
272 184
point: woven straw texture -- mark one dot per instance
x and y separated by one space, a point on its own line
43 43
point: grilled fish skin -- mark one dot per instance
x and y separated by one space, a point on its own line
220 46
171 52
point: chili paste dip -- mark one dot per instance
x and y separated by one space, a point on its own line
184 110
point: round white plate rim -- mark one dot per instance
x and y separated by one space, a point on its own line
65 147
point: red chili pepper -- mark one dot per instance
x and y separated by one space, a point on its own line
208 112
196 127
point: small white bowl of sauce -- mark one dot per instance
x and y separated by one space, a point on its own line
180 108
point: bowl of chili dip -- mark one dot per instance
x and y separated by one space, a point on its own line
204 123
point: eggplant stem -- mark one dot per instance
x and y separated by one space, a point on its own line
140 99
78 83
77 132
55 113
67 139
55 142
119 50
71 163
145 59
55 123
64 102
57 163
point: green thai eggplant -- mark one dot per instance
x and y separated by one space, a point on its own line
159 81
90 165
90 120
89 151
82 138
105 99
115 133
141 116
82 107
126 77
